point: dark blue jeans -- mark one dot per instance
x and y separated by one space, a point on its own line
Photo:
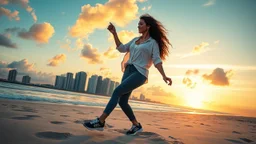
131 80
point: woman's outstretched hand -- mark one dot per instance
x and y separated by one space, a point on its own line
111 28
168 80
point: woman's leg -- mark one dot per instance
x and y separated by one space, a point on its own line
130 83
123 102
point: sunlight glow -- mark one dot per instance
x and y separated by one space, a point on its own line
194 98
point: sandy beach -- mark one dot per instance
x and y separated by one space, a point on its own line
31 122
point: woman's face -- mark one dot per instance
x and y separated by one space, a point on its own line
142 27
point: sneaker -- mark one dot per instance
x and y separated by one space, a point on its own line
94 125
134 130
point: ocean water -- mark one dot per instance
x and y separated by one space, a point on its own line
39 94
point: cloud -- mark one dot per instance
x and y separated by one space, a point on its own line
24 4
209 3
106 72
200 48
41 33
67 44
6 42
189 83
196 71
149 7
91 54
25 68
120 12
159 91
146 8
219 77
13 30
56 60
187 80
197 50
9 14
111 53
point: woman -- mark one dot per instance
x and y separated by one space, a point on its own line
150 48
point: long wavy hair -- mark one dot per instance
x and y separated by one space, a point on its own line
158 32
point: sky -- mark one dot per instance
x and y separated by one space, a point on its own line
212 62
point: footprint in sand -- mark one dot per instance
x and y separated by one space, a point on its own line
64 115
26 117
234 141
109 126
26 109
14 106
57 122
212 131
246 140
80 113
176 141
188 125
164 128
235 132
53 135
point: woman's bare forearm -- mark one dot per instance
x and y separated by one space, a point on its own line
117 41
160 69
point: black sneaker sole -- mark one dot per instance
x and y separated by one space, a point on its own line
98 129
141 130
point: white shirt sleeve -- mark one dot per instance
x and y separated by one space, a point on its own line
156 54
125 48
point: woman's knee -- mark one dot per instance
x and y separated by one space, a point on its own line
122 103
118 91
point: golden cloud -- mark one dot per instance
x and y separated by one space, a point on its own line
196 71
56 60
219 77
188 82
105 72
111 53
38 32
22 3
120 12
9 14
91 54
200 48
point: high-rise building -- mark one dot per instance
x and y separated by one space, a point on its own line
59 82
80 81
12 75
26 79
92 84
111 88
105 86
142 97
99 85
69 82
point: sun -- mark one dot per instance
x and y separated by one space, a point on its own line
194 98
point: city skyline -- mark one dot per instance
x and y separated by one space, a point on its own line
211 63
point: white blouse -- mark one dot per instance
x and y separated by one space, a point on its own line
141 56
